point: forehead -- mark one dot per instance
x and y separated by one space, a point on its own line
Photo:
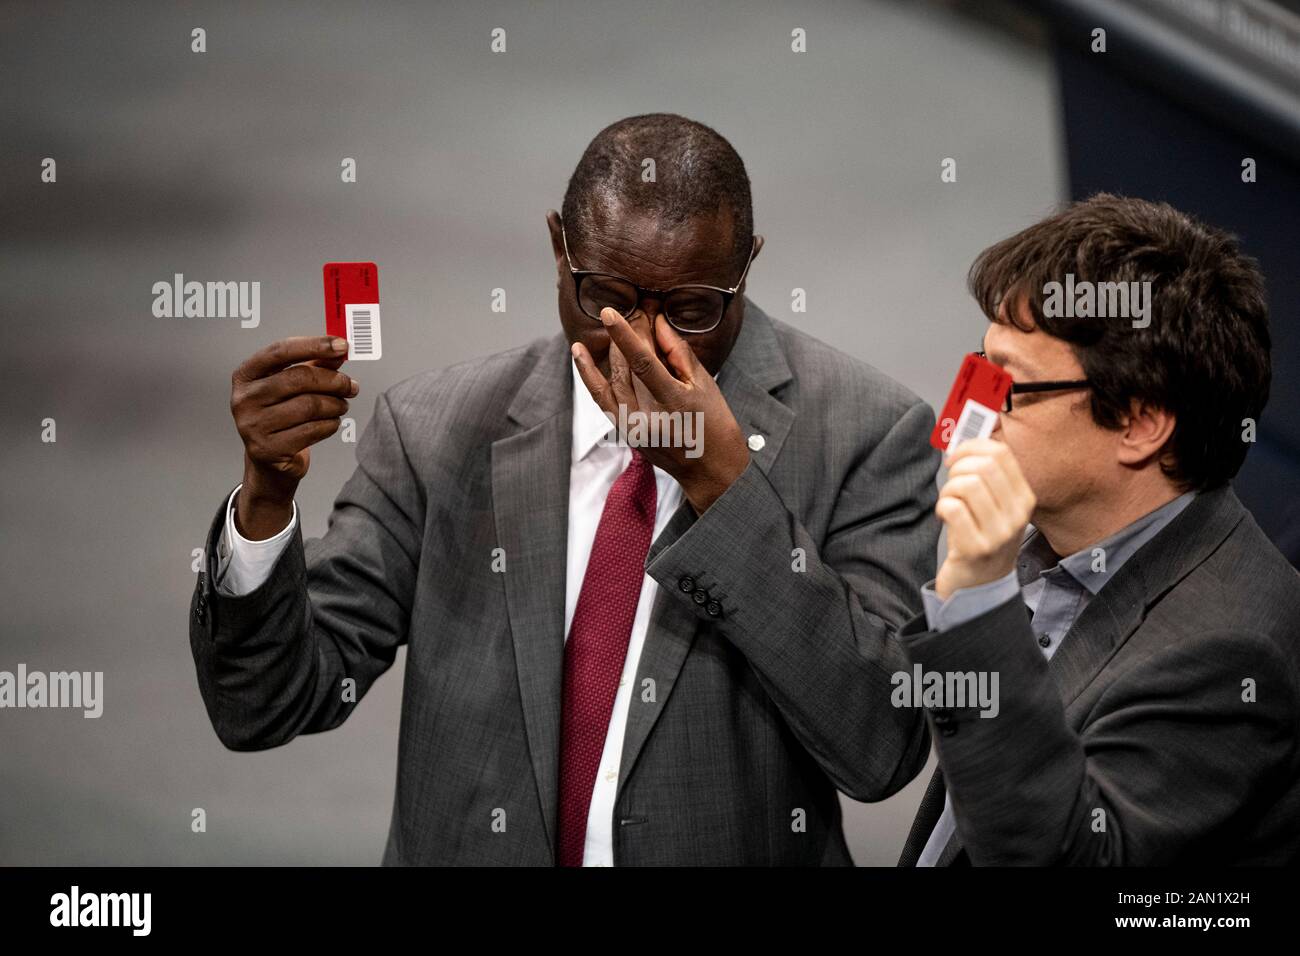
1034 351
656 253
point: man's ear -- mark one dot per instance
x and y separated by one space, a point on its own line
553 223
758 247
1144 433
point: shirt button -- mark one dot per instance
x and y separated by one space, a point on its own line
611 774
687 584
1044 640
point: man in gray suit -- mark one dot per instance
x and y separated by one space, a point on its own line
576 694
1145 635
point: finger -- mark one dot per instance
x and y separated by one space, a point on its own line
297 379
333 363
620 379
644 397
680 356
1005 461
640 357
293 440
1010 465
972 446
989 470
302 408
596 383
286 352
972 490
963 536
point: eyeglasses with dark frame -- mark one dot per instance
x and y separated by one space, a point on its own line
693 309
1031 387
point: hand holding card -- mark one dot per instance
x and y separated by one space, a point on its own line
285 397
352 307
985 503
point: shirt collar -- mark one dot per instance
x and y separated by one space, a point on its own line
589 423
1092 567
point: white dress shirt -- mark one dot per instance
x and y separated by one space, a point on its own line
243 565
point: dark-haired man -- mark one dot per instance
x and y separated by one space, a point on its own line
574 693
1145 634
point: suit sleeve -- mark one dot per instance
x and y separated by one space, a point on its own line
817 617
297 653
248 563
1172 751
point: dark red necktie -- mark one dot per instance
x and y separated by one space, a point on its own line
597 644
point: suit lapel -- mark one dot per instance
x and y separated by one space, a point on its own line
530 502
755 368
1120 607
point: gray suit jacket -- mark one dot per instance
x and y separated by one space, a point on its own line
1139 742
757 714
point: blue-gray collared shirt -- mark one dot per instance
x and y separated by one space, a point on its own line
1056 590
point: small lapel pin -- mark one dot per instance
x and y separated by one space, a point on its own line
756 442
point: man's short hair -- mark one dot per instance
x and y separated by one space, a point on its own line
697 172
1204 357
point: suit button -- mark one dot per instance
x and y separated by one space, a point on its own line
201 603
700 596
687 584
714 609
1044 640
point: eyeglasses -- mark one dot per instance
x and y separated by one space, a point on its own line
1029 387
693 309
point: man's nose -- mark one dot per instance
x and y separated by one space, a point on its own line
648 307
642 322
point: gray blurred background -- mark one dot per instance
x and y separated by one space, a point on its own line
225 166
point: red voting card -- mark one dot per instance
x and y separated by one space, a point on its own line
352 307
973 405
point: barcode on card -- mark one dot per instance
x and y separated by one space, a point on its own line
975 421
363 331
